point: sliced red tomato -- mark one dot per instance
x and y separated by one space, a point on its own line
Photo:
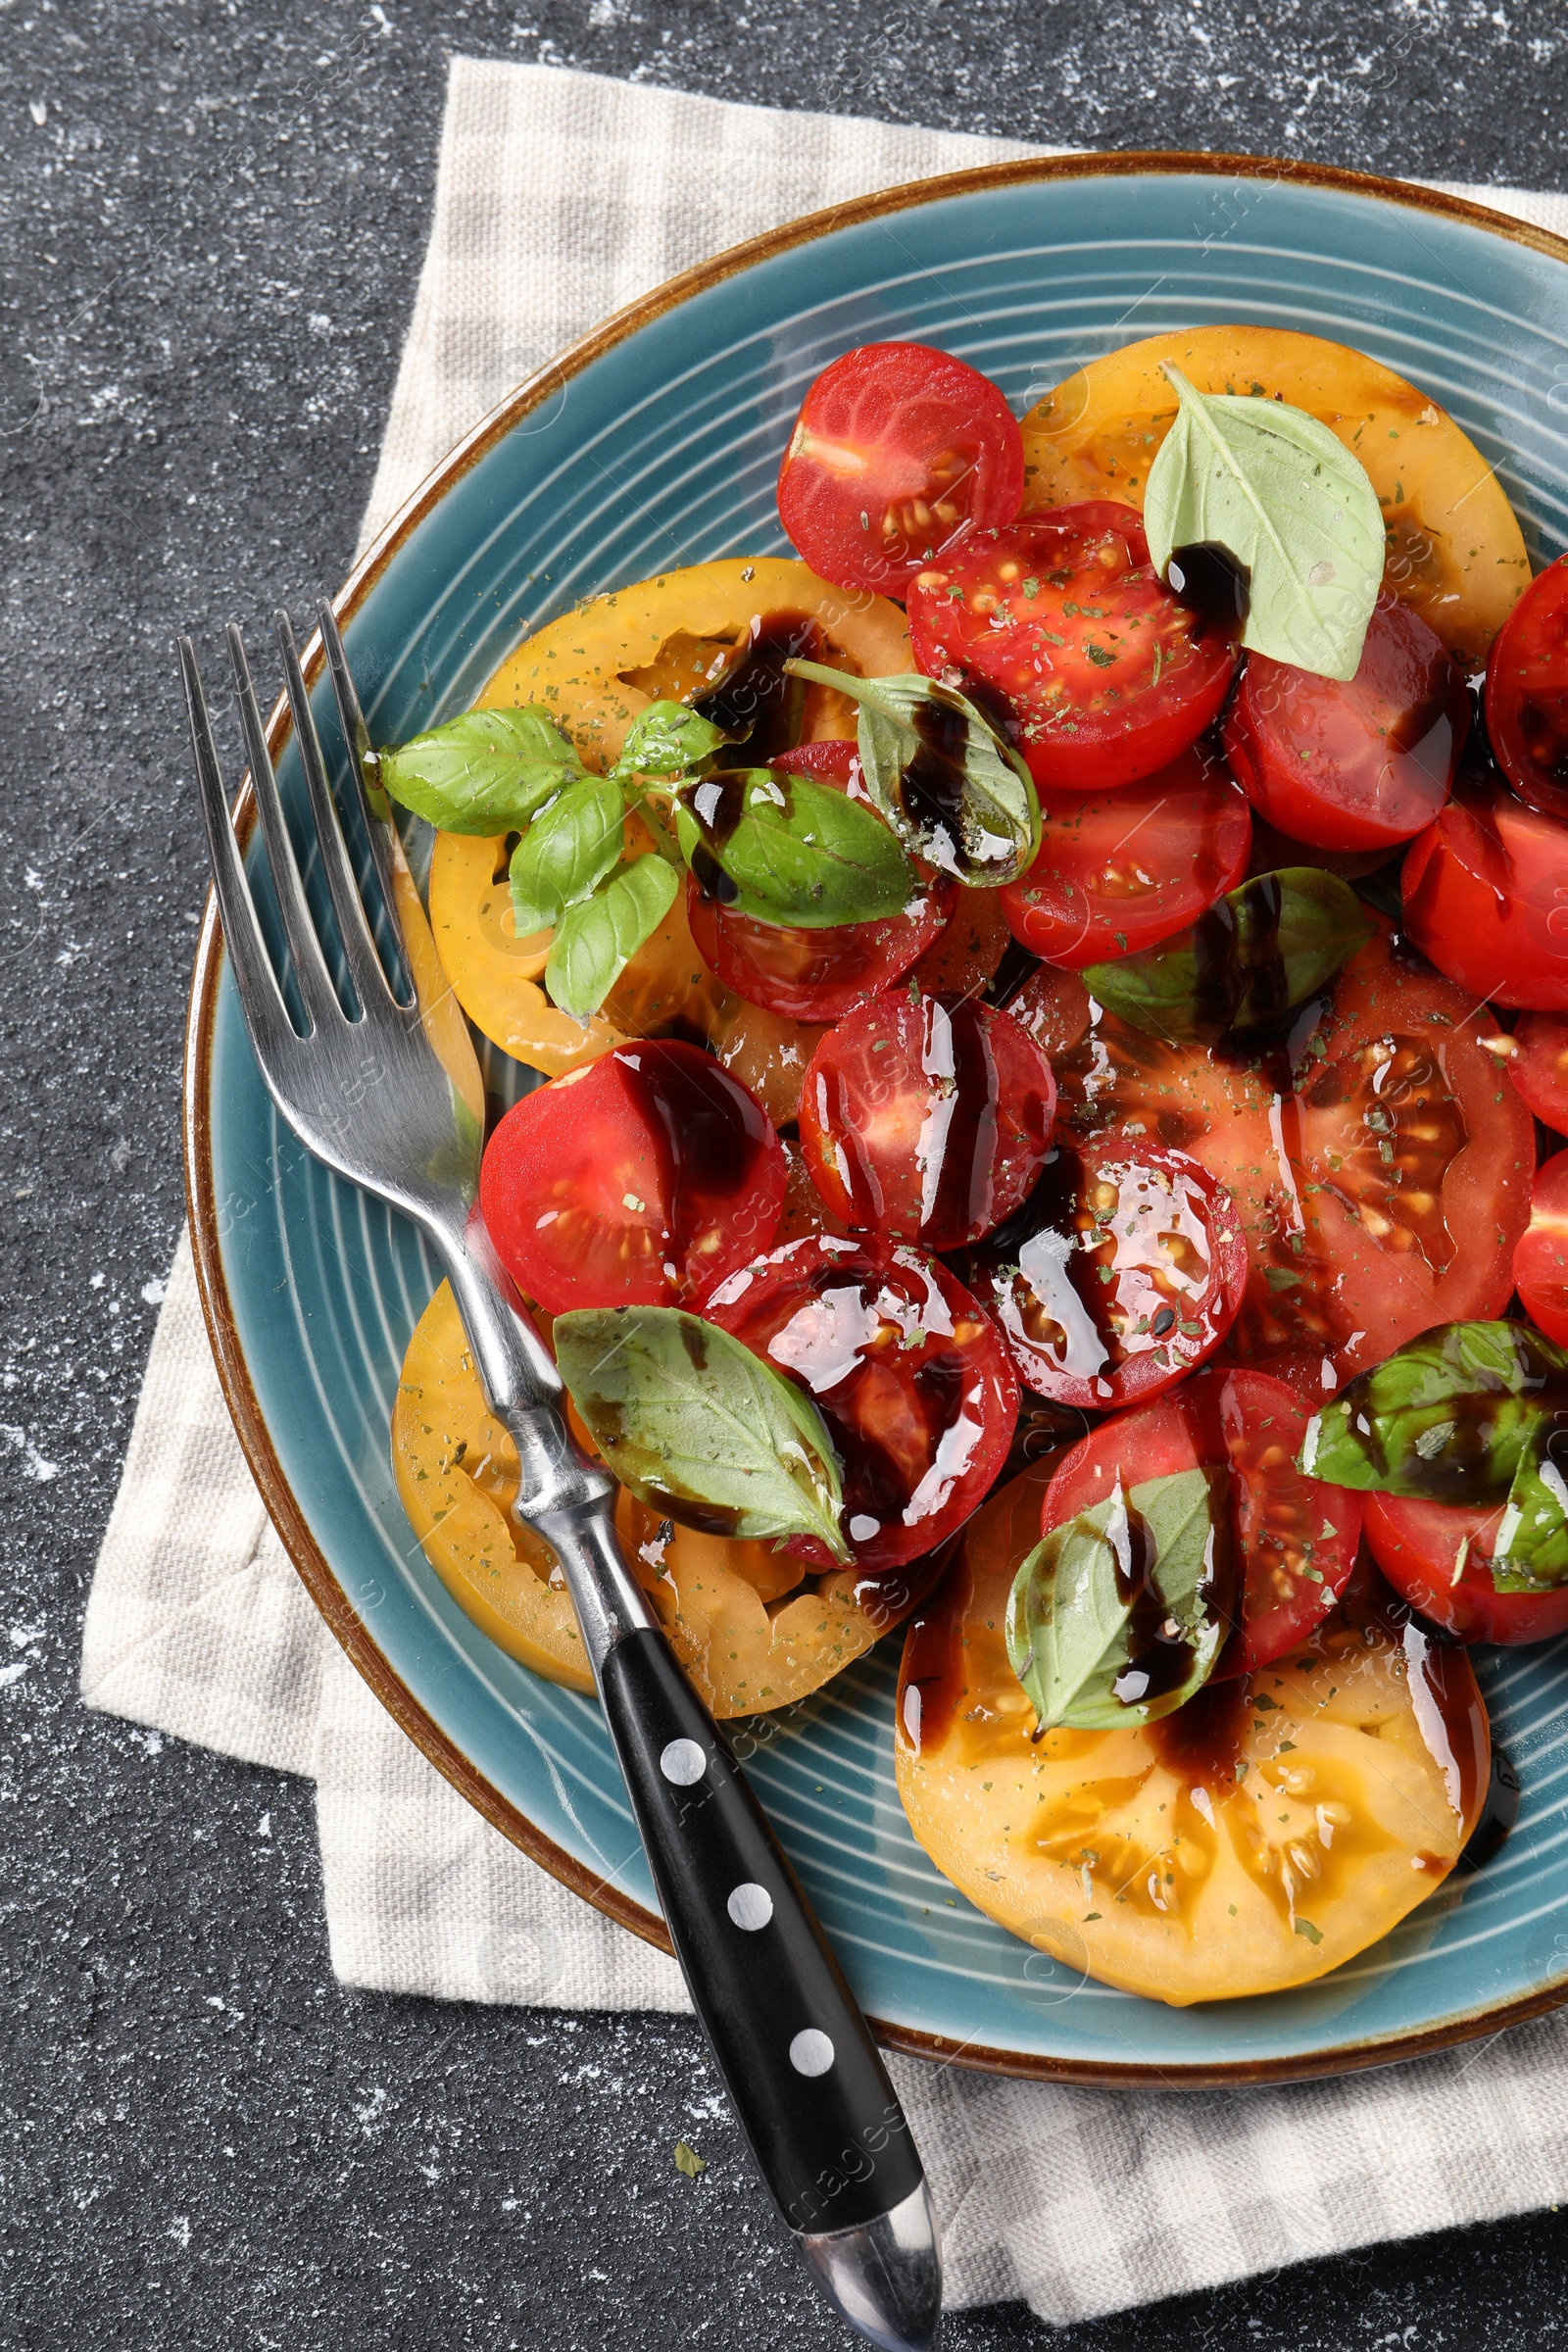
1123 871
639 1180
926 1117
1526 693
1382 1178
1108 677
1538 1067
1541 1259
908 1373
1438 1556
1485 897
1295 1539
1124 1268
898 448
1357 764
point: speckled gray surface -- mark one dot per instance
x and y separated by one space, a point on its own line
214 216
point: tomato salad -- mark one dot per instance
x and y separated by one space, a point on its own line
1048 1003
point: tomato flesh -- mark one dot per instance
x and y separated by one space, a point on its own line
1358 764
908 1373
1438 1556
1485 897
1526 693
1538 1067
1126 1266
1541 1259
1122 871
1108 677
897 450
926 1117
637 1181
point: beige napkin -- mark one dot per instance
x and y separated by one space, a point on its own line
559 198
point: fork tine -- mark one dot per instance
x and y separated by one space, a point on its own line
373 805
304 949
359 948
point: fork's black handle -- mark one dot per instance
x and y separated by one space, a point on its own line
823 2120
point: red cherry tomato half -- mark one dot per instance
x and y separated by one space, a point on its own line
1485 897
897 450
1438 1556
1538 1067
1122 872
1526 693
1358 764
1295 1539
639 1180
1108 677
926 1117
1540 1257
908 1372
1124 1268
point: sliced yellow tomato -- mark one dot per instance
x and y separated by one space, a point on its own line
1455 554
767 1051
1269 1829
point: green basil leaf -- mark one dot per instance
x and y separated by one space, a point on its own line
567 852
1255 959
1287 501
698 1426
788 849
1118 1616
953 789
667 739
485 772
1529 1553
1446 1419
596 941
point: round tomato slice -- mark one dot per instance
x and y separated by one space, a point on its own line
1526 693
1541 1259
926 1117
1107 676
637 1181
1124 1268
1121 872
1263 1833
897 450
1438 1556
1485 897
908 1373
1359 763
1538 1067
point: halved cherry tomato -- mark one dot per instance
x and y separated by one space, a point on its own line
1359 763
639 1180
1526 693
897 450
767 1052
1105 676
1121 873
1485 897
1538 1067
1124 1268
926 1117
906 1370
1438 1555
1541 1259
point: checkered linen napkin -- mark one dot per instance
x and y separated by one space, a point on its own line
559 198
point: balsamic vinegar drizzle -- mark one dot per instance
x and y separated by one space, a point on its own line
1160 1652
1215 589
1499 1813
756 702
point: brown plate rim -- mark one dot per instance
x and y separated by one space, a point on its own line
282 1506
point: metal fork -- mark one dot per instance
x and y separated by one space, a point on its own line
389 1096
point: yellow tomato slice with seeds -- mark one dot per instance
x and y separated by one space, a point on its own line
1455 554
1268 1830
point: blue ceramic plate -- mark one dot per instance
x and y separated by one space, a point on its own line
653 444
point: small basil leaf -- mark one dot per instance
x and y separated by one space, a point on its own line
787 850
667 739
950 786
567 853
485 772
1287 500
1118 1616
1255 959
596 941
1446 1419
698 1426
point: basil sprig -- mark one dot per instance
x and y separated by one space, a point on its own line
596 939
699 1427
953 789
567 853
787 850
486 772
1287 501
1118 1616
1252 961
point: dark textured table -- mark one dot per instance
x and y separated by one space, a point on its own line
215 215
